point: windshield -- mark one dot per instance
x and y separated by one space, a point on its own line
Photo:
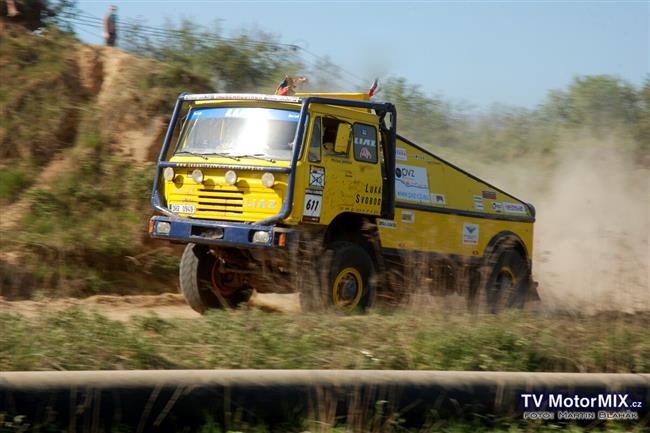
240 132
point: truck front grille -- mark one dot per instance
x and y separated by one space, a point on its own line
211 200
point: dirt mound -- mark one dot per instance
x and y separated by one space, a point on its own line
91 68
118 101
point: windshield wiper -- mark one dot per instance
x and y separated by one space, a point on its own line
257 156
223 154
193 154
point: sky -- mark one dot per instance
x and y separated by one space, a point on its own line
472 53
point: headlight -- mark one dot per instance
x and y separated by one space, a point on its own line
261 237
268 180
197 176
231 177
168 174
163 228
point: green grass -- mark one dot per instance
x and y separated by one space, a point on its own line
39 95
13 181
77 340
82 228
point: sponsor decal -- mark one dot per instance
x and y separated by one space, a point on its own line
470 234
438 199
260 203
365 141
478 202
408 216
316 177
490 195
371 197
365 154
497 206
244 113
400 154
421 157
514 208
313 205
387 224
412 183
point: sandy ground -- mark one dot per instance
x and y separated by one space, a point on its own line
166 306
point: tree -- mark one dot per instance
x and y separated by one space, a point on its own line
600 101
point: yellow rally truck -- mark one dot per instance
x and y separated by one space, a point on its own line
318 193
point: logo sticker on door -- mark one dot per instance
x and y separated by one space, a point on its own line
316 177
411 183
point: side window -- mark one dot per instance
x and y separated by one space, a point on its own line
365 143
330 126
316 138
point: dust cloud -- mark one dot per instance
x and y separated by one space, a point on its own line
593 229
592 250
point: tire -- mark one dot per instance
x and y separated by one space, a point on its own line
507 283
199 282
350 286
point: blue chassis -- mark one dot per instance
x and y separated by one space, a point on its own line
233 234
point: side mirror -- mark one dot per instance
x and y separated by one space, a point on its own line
343 133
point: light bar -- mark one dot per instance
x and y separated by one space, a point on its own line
240 97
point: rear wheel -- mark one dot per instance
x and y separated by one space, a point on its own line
204 286
506 284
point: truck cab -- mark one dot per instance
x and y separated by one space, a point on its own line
240 179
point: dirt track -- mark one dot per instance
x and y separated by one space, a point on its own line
123 308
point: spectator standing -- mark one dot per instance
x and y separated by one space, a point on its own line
110 26
12 10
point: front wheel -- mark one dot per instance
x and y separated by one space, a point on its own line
341 278
350 285
204 286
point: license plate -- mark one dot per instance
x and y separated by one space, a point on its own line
182 208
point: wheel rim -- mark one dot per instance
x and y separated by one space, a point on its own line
503 287
218 286
348 289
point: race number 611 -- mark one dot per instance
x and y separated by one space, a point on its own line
313 204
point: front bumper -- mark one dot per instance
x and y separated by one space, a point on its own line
219 233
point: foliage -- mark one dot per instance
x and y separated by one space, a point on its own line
422 118
218 64
643 124
38 96
598 102
599 105
82 231
13 181
253 339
